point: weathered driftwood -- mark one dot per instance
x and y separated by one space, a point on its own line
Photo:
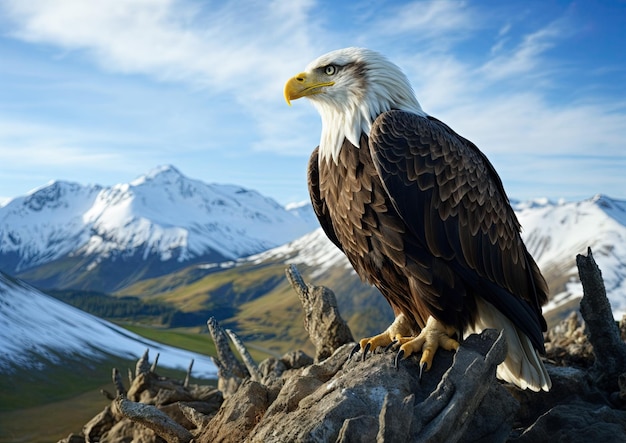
326 329
152 418
446 414
604 335
567 343
143 364
252 367
188 375
95 428
153 368
389 404
190 406
117 382
198 419
107 394
230 371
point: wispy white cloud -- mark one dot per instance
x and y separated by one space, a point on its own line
526 57
483 71
468 91
432 21
224 46
245 50
25 143
524 123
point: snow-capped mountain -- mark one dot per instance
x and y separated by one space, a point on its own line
554 234
161 217
38 331
105 238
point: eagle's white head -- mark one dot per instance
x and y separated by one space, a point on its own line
351 87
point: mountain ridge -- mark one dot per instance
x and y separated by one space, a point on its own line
160 221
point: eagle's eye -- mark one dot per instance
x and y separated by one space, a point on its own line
330 70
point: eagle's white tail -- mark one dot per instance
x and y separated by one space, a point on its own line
522 365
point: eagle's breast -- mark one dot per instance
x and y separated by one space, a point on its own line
355 200
369 229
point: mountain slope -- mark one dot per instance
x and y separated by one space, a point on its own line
555 233
66 235
252 295
39 332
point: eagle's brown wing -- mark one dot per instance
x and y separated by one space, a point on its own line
453 202
319 205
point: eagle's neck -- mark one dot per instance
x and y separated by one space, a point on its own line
338 126
354 116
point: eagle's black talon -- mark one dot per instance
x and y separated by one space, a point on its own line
365 351
390 345
422 366
399 356
354 351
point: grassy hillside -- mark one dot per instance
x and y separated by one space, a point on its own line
256 300
51 422
253 299
192 339
115 308
111 274
45 406
38 405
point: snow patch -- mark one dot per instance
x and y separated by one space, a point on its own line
32 323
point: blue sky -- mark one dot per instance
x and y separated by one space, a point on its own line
102 92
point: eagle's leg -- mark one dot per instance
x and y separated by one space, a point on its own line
399 329
433 336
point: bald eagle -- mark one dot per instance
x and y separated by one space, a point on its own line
420 213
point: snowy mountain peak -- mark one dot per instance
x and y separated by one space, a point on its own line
160 174
615 209
54 195
162 215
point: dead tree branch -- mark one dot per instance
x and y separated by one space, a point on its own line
327 330
188 375
117 381
152 418
143 364
252 367
604 335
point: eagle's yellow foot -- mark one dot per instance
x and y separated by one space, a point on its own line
434 335
396 331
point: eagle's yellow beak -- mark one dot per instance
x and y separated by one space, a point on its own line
304 84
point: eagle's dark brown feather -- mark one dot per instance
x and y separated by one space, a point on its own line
420 213
319 205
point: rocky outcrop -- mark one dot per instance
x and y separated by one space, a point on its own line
338 398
